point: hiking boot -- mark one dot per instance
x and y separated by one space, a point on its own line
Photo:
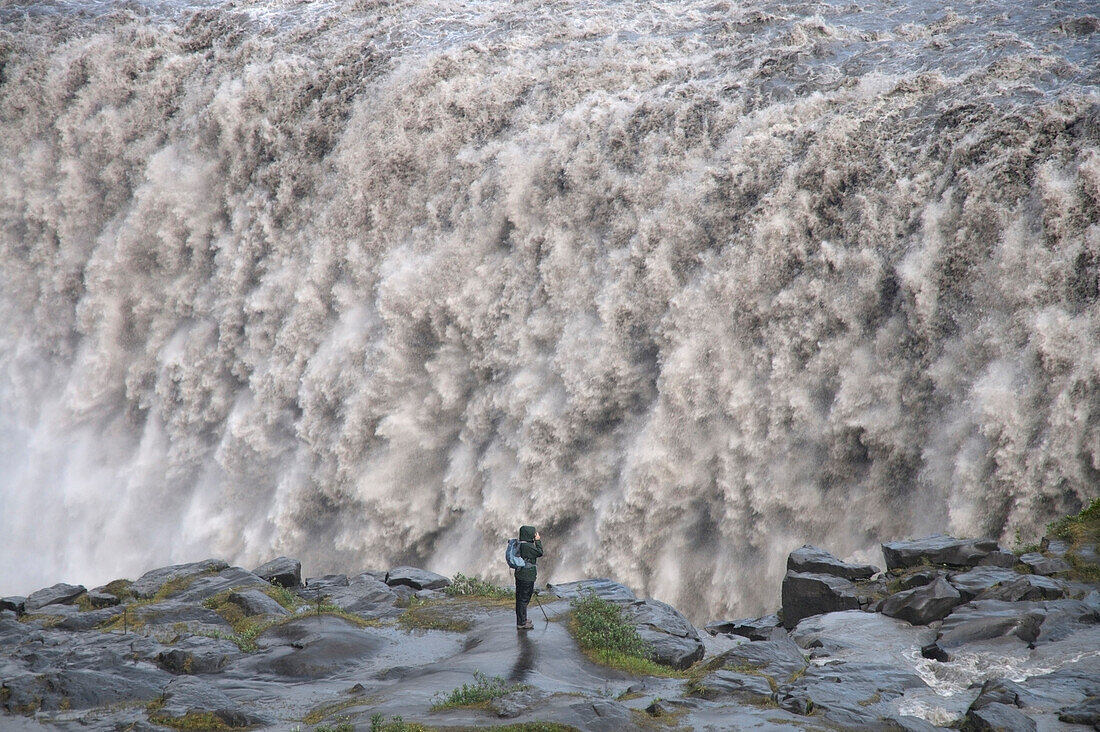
528 625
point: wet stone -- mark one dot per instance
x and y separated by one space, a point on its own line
1087 712
976 581
674 640
154 580
255 602
281 571
805 595
812 560
937 549
997 717
418 579
516 703
605 589
768 627
923 605
1025 587
59 594
100 599
15 603
1045 566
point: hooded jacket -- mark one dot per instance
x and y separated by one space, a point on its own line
529 550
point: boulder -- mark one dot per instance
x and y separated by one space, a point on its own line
768 627
812 560
113 681
316 588
280 571
812 594
600 715
90 619
1054 546
998 718
59 594
976 581
208 585
937 549
674 640
1025 587
100 598
1087 712
605 589
1000 558
197 655
517 702
1045 566
987 619
153 581
918 579
418 579
364 594
255 602
1000 691
853 694
923 605
15 603
780 659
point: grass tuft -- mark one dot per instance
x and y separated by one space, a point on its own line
607 639
423 615
483 690
463 586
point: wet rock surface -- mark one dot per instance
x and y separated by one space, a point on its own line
956 642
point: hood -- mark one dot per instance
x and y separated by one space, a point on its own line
526 533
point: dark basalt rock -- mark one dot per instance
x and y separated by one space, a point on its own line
1001 558
255 602
1000 691
281 571
805 595
976 581
90 619
364 594
516 703
605 589
923 605
15 603
59 594
197 655
998 718
1045 566
154 580
99 598
186 695
418 579
986 619
780 659
206 586
855 695
1053 545
938 549
674 640
768 627
1025 587
918 579
1087 712
313 647
812 560
82 688
914 724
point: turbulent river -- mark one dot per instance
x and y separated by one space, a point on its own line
685 284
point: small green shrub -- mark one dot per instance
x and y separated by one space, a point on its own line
600 629
1084 528
396 724
463 586
484 689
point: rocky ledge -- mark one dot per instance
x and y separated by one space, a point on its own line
954 633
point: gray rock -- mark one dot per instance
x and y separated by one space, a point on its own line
923 605
986 619
91 619
198 655
1087 712
854 694
812 594
255 602
315 588
1000 691
1053 545
743 686
516 703
914 724
1045 566
171 612
768 627
812 560
312 647
15 603
674 640
780 659
280 571
59 594
99 598
154 580
113 681
937 549
605 589
1003 559
976 581
999 718
208 585
418 579
918 579
1025 587
364 594
1087 554
190 695
601 715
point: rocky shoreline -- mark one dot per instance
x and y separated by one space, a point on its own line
953 633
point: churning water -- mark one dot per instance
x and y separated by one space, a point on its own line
687 284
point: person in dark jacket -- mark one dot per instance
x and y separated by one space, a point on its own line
530 549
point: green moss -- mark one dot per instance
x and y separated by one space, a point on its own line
120 588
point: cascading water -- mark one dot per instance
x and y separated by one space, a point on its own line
686 284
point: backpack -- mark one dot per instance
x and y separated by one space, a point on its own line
511 555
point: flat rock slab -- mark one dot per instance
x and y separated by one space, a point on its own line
812 560
923 605
974 582
768 627
1087 712
1045 566
83 688
987 619
198 655
59 594
282 571
675 641
256 602
150 583
365 594
855 695
998 717
418 579
603 588
189 695
1024 588
937 549
208 585
805 595
779 659
314 647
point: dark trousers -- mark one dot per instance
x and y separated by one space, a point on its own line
524 590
